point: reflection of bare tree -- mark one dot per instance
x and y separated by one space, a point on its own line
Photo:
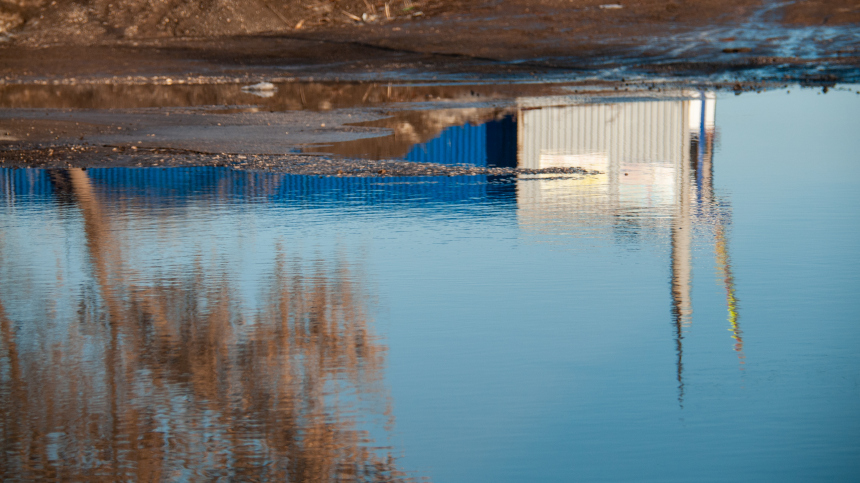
172 377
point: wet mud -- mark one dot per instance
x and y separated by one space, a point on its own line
187 41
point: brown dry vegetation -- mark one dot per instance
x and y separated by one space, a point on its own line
44 21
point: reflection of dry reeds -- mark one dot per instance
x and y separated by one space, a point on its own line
288 96
174 378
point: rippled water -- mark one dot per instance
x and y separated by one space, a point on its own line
687 313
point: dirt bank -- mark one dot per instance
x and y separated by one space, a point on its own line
376 39
40 22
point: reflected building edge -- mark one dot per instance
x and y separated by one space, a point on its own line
654 156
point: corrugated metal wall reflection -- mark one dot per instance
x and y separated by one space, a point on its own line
455 145
647 152
492 143
172 186
31 184
645 131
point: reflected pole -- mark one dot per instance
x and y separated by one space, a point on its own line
681 257
722 217
682 306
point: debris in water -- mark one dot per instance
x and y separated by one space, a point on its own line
611 6
261 89
260 86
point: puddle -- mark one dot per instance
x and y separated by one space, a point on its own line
619 285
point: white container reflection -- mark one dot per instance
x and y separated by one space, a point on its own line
654 157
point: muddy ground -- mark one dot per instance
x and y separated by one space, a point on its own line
42 22
76 41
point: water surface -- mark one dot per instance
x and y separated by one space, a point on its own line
686 312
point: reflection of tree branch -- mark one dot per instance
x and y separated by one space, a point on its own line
99 243
14 398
